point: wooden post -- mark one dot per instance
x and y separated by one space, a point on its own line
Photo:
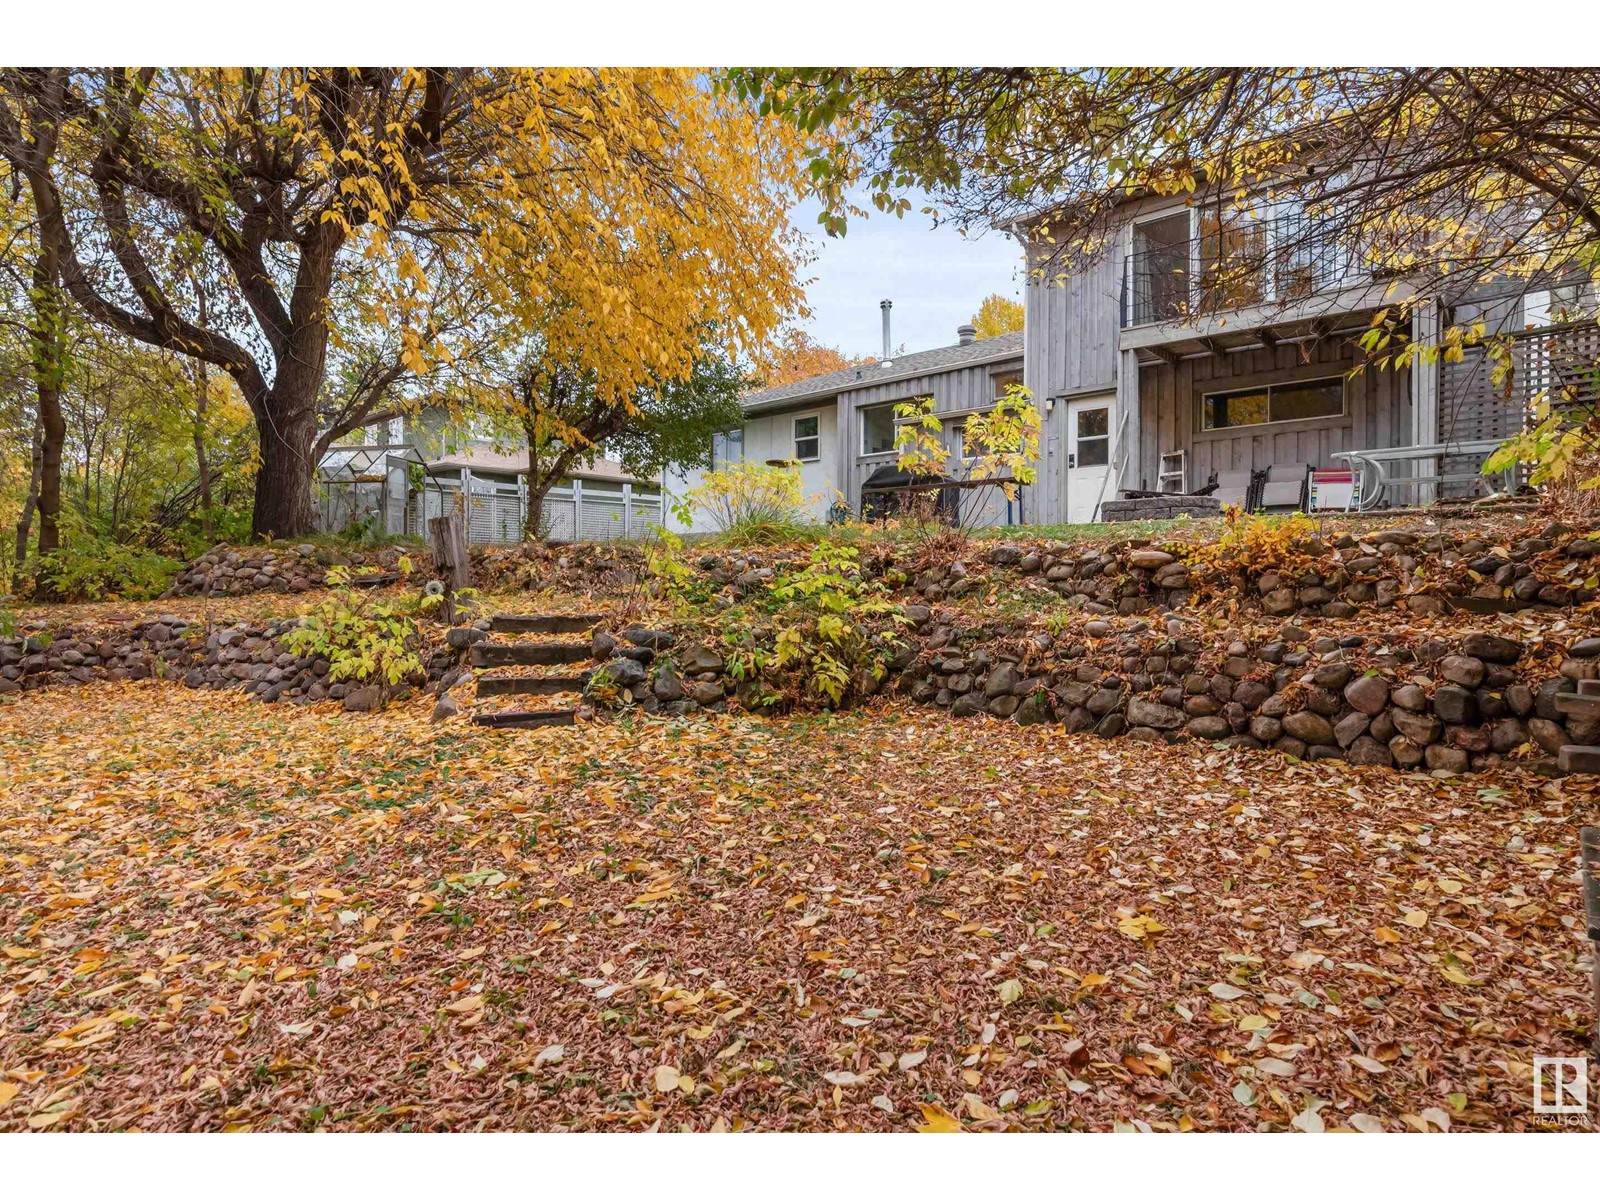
1589 846
447 541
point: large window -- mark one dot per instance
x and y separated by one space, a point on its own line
1302 401
877 429
808 438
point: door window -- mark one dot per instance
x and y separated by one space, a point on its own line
1093 437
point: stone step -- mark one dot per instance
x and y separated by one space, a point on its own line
578 623
1582 760
528 654
524 718
530 685
1579 705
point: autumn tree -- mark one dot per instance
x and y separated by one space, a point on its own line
559 412
1443 177
366 221
997 315
796 356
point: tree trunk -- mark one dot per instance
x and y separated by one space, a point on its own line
201 462
46 336
29 503
283 484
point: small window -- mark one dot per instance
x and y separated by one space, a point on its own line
1303 401
877 429
807 438
1094 437
397 431
1003 381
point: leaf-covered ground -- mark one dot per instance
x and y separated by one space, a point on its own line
218 914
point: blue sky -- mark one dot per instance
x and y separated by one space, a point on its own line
935 276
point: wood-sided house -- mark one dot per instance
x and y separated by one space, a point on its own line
1198 351
838 429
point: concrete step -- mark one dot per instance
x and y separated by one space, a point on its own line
529 685
524 718
528 654
575 623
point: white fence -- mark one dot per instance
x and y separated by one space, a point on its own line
598 513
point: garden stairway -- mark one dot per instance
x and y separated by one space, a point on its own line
534 654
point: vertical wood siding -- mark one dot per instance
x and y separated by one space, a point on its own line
958 390
1378 412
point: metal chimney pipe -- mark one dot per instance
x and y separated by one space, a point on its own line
885 306
966 335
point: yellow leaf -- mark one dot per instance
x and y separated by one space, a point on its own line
1140 926
666 1078
1385 936
937 1120
466 1004
8 1092
1416 918
1455 975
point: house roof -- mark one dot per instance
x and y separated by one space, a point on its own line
488 460
907 366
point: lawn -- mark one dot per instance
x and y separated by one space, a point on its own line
217 914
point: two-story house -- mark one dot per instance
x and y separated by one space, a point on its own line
1203 342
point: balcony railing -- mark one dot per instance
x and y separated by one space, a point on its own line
1235 265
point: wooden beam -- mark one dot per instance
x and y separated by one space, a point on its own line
1269 339
1165 353
1321 327
1211 346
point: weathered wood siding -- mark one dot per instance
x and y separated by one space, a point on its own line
1072 321
964 389
1378 412
1072 328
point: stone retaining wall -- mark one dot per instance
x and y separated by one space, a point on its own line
234 655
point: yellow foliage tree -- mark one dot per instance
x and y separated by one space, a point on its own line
379 229
997 315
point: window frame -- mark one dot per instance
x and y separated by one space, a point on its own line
1270 387
894 425
1076 438
796 438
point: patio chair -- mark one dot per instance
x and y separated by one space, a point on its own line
1284 487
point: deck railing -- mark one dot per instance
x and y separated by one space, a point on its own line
1238 264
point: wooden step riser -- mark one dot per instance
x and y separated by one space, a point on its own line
581 623
530 685
524 720
534 654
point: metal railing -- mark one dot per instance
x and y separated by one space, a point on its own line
1237 264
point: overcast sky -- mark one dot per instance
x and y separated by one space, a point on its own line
936 278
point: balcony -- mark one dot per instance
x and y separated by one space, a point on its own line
1279 262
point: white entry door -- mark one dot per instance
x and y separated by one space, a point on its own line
1088 455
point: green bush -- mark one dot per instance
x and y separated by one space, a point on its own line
751 504
96 568
365 636
832 631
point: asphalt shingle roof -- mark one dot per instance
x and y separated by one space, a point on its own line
924 362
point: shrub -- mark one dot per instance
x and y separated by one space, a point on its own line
365 636
1252 543
751 504
96 568
835 630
